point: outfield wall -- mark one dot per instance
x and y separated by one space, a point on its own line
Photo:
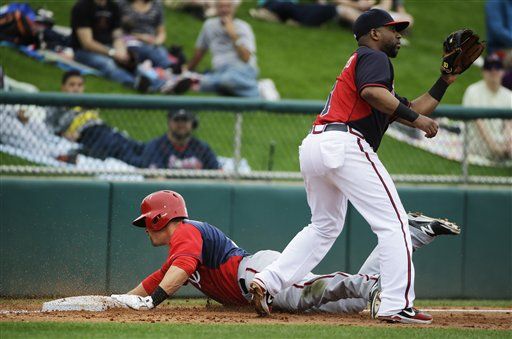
69 237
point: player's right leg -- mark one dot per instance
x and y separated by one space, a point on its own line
328 207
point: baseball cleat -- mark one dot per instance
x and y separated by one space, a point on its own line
375 299
408 316
432 226
261 299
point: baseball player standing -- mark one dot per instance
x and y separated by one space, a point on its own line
339 163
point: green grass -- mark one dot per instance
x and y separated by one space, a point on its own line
303 62
160 330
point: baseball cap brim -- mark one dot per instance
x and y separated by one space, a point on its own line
399 25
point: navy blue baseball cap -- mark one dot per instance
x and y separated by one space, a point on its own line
375 18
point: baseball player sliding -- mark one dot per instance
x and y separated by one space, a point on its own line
339 163
204 256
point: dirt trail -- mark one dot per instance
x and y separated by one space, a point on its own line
216 314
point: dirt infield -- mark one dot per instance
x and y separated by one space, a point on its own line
197 313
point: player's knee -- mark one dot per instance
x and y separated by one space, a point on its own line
329 229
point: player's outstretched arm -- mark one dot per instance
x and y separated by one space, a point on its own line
139 290
174 278
427 103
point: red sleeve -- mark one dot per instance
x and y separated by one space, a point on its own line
152 281
185 252
188 264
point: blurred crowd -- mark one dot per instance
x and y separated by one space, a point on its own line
126 41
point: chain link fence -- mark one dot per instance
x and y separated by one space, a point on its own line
133 137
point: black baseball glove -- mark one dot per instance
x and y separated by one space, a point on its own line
460 49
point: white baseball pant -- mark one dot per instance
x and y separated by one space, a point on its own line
338 167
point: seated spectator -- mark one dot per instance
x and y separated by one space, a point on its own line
308 14
97 42
320 12
84 126
22 127
143 23
498 19
178 149
201 9
233 47
490 138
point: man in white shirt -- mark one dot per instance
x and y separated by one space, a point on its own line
233 47
490 138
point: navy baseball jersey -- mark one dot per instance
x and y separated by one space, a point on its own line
161 153
366 67
217 259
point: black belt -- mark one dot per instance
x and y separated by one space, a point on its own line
329 127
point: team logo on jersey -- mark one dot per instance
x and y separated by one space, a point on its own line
195 279
349 61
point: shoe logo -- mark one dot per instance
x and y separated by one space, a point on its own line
409 313
428 230
269 298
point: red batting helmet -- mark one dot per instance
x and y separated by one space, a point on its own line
158 208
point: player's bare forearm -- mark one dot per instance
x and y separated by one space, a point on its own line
381 99
139 290
174 278
428 102
424 104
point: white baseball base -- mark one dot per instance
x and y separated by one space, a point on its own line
93 303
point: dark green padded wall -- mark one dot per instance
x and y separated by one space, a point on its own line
53 237
488 243
75 237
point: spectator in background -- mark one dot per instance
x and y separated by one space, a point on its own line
143 22
319 12
490 138
311 13
177 148
233 47
498 15
97 42
84 126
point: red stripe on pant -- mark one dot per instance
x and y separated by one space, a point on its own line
401 223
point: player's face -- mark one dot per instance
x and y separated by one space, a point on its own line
390 40
157 238
180 128
74 84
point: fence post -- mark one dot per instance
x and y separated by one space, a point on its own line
237 144
465 155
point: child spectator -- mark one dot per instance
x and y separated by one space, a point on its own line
84 126
143 23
